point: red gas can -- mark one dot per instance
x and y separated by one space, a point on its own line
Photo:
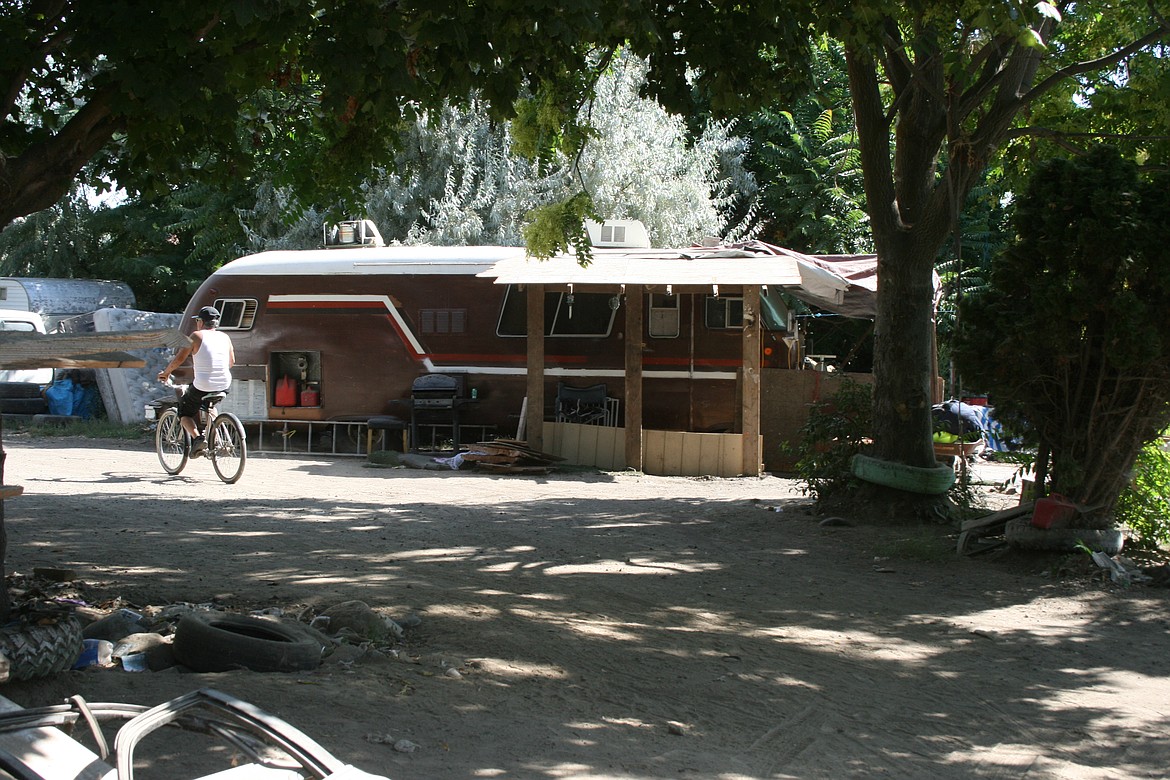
310 396
1053 511
286 392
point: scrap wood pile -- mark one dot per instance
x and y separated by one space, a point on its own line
509 456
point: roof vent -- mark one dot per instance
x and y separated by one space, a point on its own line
623 233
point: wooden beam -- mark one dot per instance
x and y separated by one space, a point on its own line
751 381
534 421
83 350
97 360
634 330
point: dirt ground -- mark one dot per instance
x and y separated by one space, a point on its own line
610 625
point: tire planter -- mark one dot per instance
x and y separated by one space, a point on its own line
221 642
28 406
1021 533
913 479
40 651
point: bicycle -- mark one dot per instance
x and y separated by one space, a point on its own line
227 445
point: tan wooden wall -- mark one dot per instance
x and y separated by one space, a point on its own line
786 397
664 453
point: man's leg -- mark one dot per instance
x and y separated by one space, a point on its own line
189 423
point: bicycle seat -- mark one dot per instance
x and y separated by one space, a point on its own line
212 399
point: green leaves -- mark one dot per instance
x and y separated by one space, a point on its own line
560 227
1071 335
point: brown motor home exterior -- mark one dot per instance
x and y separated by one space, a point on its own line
355 327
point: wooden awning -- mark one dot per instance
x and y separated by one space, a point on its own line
83 350
695 269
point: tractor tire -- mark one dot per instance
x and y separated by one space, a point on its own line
39 651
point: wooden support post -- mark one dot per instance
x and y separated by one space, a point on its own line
751 381
634 330
534 420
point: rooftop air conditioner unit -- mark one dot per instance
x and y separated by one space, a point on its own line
618 233
352 232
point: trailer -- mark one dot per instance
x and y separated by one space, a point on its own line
332 337
351 330
56 300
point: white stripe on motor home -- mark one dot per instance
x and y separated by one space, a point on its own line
498 371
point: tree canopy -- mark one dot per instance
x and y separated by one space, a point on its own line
151 93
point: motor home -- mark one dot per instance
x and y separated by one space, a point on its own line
344 333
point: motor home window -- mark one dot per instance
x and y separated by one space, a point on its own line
578 314
236 313
23 327
664 316
442 320
723 312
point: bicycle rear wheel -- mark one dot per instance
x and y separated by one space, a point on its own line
228 447
170 441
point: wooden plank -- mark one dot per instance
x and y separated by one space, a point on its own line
97 360
653 452
83 350
635 328
11 491
994 518
496 468
534 424
751 381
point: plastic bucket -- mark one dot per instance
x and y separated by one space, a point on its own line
1053 510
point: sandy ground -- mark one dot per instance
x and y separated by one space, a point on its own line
610 625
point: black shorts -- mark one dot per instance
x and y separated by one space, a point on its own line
192 400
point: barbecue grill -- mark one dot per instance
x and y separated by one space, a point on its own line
436 399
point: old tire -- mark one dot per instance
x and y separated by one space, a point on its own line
1021 533
913 479
219 642
40 651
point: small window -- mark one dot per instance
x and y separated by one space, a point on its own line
565 314
236 313
724 312
664 316
442 320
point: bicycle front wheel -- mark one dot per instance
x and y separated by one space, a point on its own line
228 447
170 441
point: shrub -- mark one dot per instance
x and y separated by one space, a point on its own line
1145 504
836 430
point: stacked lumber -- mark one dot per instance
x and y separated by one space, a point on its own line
509 456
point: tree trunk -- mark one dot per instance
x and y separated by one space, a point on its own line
903 356
5 600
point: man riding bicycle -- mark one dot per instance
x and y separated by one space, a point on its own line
212 356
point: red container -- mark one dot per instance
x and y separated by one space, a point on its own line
1053 511
310 396
286 392
976 400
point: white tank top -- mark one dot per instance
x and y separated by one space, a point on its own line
212 369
